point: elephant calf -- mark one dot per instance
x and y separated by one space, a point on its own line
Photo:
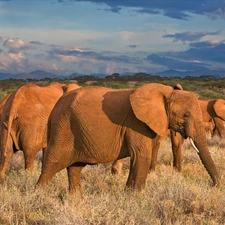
99 125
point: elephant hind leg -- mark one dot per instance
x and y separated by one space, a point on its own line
48 171
44 179
74 177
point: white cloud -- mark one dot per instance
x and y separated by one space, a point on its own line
214 41
195 61
68 58
15 43
12 62
16 57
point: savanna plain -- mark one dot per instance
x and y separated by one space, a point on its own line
168 198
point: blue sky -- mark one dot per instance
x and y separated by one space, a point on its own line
111 36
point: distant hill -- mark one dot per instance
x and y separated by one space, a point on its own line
174 73
4 76
41 74
38 74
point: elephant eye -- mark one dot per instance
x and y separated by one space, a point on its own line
186 115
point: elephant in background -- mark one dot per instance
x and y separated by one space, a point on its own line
99 125
209 126
214 110
23 121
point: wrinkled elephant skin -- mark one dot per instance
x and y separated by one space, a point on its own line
99 125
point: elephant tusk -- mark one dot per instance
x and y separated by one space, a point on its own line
193 145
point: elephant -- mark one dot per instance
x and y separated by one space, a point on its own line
210 121
214 110
23 121
96 124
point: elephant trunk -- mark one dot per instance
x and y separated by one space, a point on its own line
203 151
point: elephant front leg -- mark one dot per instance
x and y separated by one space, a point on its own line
139 168
74 177
155 151
176 141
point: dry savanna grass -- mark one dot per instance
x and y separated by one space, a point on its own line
169 197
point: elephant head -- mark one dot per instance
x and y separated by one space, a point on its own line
179 111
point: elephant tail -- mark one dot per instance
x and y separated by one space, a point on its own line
8 122
8 125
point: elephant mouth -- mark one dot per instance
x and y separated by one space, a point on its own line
182 131
183 134
180 128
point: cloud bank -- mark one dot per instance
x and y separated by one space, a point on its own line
173 9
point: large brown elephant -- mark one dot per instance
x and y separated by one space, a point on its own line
99 125
213 112
23 121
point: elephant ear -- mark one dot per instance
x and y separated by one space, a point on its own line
219 108
149 106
